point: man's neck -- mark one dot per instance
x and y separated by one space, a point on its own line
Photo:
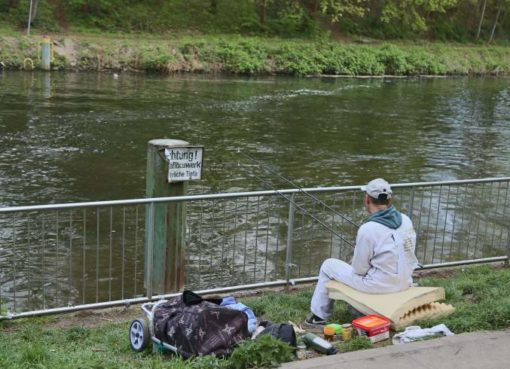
375 208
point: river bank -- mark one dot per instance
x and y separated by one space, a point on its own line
253 56
98 339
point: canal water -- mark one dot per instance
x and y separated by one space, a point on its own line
72 137
69 137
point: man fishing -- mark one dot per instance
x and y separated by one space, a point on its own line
383 260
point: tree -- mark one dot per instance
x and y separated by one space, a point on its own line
481 19
263 5
500 6
35 4
213 6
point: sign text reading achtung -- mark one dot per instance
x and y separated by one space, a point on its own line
184 163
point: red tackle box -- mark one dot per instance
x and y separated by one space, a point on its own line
375 327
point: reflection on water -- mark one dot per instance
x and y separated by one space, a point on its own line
79 137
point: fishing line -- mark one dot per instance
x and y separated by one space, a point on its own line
301 208
266 167
300 189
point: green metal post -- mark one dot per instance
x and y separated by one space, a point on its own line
46 53
165 224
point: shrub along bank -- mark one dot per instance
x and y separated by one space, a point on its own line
254 56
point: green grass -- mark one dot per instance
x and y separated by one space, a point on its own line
257 55
481 296
6 30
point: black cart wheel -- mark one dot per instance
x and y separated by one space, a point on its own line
139 336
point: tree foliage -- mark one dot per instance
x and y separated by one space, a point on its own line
459 20
338 9
414 13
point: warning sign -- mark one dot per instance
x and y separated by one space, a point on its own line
184 163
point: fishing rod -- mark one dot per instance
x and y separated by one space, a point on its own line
265 167
304 210
300 189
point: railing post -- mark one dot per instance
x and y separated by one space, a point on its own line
507 262
150 251
290 231
411 204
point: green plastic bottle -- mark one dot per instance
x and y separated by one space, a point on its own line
319 344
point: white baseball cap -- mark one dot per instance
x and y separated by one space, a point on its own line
376 187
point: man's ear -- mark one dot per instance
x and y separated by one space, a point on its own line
367 200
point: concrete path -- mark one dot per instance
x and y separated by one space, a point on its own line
479 350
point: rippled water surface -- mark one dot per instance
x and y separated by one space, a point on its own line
78 137
83 137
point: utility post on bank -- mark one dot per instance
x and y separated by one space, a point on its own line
170 164
46 53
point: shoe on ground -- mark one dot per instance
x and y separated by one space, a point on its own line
314 320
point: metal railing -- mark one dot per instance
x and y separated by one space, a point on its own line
72 256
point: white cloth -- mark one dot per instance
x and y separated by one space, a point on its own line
416 333
383 262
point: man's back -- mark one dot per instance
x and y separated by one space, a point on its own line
379 250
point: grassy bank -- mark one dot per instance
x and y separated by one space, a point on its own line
253 56
481 296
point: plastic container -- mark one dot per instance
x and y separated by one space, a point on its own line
346 331
329 333
336 327
375 327
319 344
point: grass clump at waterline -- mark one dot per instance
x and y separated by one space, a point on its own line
254 56
481 296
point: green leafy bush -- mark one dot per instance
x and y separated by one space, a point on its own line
359 61
263 352
394 60
247 57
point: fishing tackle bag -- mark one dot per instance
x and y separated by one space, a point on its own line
282 331
197 326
